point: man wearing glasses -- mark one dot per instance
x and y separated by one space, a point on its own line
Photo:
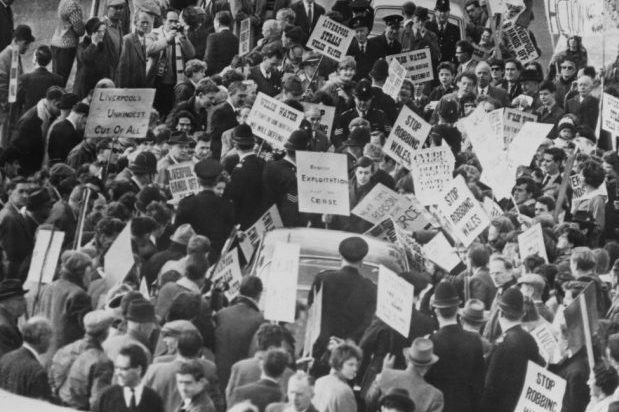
563 83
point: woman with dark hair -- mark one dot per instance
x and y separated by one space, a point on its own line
602 388
593 200
90 55
333 392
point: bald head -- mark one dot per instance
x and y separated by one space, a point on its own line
482 71
585 84
300 391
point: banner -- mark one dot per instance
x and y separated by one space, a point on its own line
119 257
383 202
280 285
13 75
610 114
395 80
463 211
330 38
407 135
182 181
327 113
531 242
45 254
394 300
547 343
440 251
268 221
273 121
229 274
418 64
432 171
245 37
119 113
322 179
384 230
519 42
542 391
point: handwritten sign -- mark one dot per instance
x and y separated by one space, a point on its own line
47 248
395 80
394 300
418 64
547 343
384 230
514 121
229 274
463 211
280 297
578 187
268 221
432 171
406 137
531 242
327 113
610 114
119 113
119 258
322 179
245 37
273 120
312 327
330 38
480 53
414 253
439 251
524 144
519 42
13 74
183 181
492 208
542 391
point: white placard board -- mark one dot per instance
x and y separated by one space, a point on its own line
119 258
273 120
330 38
229 274
514 120
519 42
395 80
13 75
384 230
610 114
280 288
322 181
525 143
542 391
47 248
182 181
245 37
408 134
531 242
439 251
418 64
432 171
312 327
394 300
547 343
120 113
268 221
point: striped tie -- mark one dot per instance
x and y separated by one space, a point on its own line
180 69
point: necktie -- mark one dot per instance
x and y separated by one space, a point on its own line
310 16
132 403
363 49
180 69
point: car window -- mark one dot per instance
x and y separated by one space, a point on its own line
379 13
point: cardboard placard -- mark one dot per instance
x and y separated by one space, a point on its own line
578 187
480 53
531 242
312 327
268 221
525 143
280 286
119 113
542 391
245 37
119 258
322 179
439 251
47 248
229 274
492 208
394 300
514 120
408 134
418 64
610 114
182 181
519 42
384 230
273 120
13 75
432 171
330 38
463 211
547 343
395 80
414 252
327 113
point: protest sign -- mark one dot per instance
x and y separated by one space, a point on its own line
407 135
610 114
519 42
228 274
439 251
245 37
542 391
312 327
45 256
578 188
513 122
384 230
273 120
322 179
182 181
418 64
119 113
492 208
414 253
327 113
395 80
531 242
463 211
394 300
13 74
383 202
547 343
525 143
268 221
330 38
432 170
497 6
280 286
480 53
119 258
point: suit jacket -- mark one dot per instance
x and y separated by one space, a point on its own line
245 190
89 67
365 60
222 118
271 86
459 372
550 117
387 48
447 39
22 374
482 287
221 47
512 353
515 92
131 70
284 407
15 240
376 117
33 86
113 400
575 371
248 371
467 67
234 328
10 337
587 110
260 393
427 40
301 18
63 137
279 181
27 145
199 403
386 104
426 397
499 95
6 25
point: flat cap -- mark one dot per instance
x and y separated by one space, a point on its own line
97 321
176 327
532 279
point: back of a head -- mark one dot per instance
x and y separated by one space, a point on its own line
479 255
251 286
583 259
275 363
190 344
43 55
198 245
36 331
224 18
269 335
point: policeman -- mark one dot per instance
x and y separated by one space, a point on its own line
364 52
362 8
379 74
389 41
448 33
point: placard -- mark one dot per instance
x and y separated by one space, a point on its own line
119 258
414 253
119 113
322 181
330 38
384 230
439 251
245 37
519 42
313 325
394 300
578 188
327 113
531 242
432 171
492 208
45 254
273 121
268 221
280 286
229 274
395 80
525 143
610 114
542 391
480 53
406 137
383 202
463 211
418 64
513 121
13 74
547 343
182 181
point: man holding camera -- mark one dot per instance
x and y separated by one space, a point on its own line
168 50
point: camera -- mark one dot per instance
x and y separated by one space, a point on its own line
179 28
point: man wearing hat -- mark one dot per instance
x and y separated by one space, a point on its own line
215 224
306 13
363 9
348 298
512 352
473 318
140 172
421 36
364 52
176 250
12 307
67 134
180 151
419 360
379 74
389 41
459 373
447 33
397 400
245 186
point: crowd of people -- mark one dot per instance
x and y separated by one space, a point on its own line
166 337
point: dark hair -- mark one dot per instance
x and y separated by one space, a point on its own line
447 313
589 71
342 353
558 155
612 248
231 76
205 86
593 173
109 226
469 75
612 159
190 343
575 237
169 10
137 357
548 201
159 212
549 86
605 378
193 368
465 46
272 51
184 113
515 62
472 3
54 93
43 55
235 87
192 17
275 363
496 62
269 335
532 262
224 18
531 185
479 255
251 286
446 66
